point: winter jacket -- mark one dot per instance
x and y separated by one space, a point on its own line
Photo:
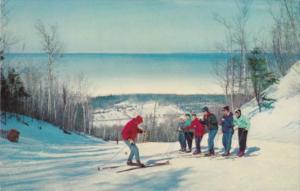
197 126
227 123
242 122
210 121
131 129
187 123
180 126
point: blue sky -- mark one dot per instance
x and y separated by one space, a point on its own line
131 25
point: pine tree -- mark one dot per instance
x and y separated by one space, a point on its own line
260 77
4 92
12 92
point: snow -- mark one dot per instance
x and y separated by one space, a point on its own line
128 109
48 159
282 122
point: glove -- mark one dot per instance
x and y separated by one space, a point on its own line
141 131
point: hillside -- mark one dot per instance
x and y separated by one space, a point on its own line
281 122
47 159
117 109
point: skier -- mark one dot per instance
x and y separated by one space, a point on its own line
199 132
243 125
181 136
188 132
227 129
211 123
129 135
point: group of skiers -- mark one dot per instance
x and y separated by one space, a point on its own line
191 127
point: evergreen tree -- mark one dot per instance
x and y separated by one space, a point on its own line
4 92
260 77
12 92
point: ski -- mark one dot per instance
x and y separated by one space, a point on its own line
115 166
191 156
146 166
109 167
202 155
233 157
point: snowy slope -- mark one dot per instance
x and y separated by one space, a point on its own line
282 122
47 159
39 132
72 165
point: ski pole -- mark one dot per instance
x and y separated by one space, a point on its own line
112 158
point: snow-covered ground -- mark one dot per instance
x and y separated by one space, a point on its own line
47 159
121 112
281 123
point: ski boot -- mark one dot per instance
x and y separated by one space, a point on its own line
188 151
196 152
130 163
211 153
140 164
226 154
241 153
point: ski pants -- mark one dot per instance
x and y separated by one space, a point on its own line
189 139
211 139
181 139
227 137
198 143
242 134
134 151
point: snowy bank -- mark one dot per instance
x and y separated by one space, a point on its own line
282 122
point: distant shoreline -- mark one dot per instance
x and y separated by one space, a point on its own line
126 53
155 94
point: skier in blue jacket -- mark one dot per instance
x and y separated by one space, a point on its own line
227 129
181 135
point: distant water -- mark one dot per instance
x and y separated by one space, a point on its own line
136 73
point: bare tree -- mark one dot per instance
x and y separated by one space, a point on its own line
233 75
6 39
285 34
52 47
241 40
2 43
221 71
3 35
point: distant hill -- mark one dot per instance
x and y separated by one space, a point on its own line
184 102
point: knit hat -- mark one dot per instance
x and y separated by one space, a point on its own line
187 114
205 109
226 108
238 110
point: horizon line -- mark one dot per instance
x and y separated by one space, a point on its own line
141 53
116 52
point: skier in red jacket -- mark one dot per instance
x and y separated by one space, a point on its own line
199 132
129 135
